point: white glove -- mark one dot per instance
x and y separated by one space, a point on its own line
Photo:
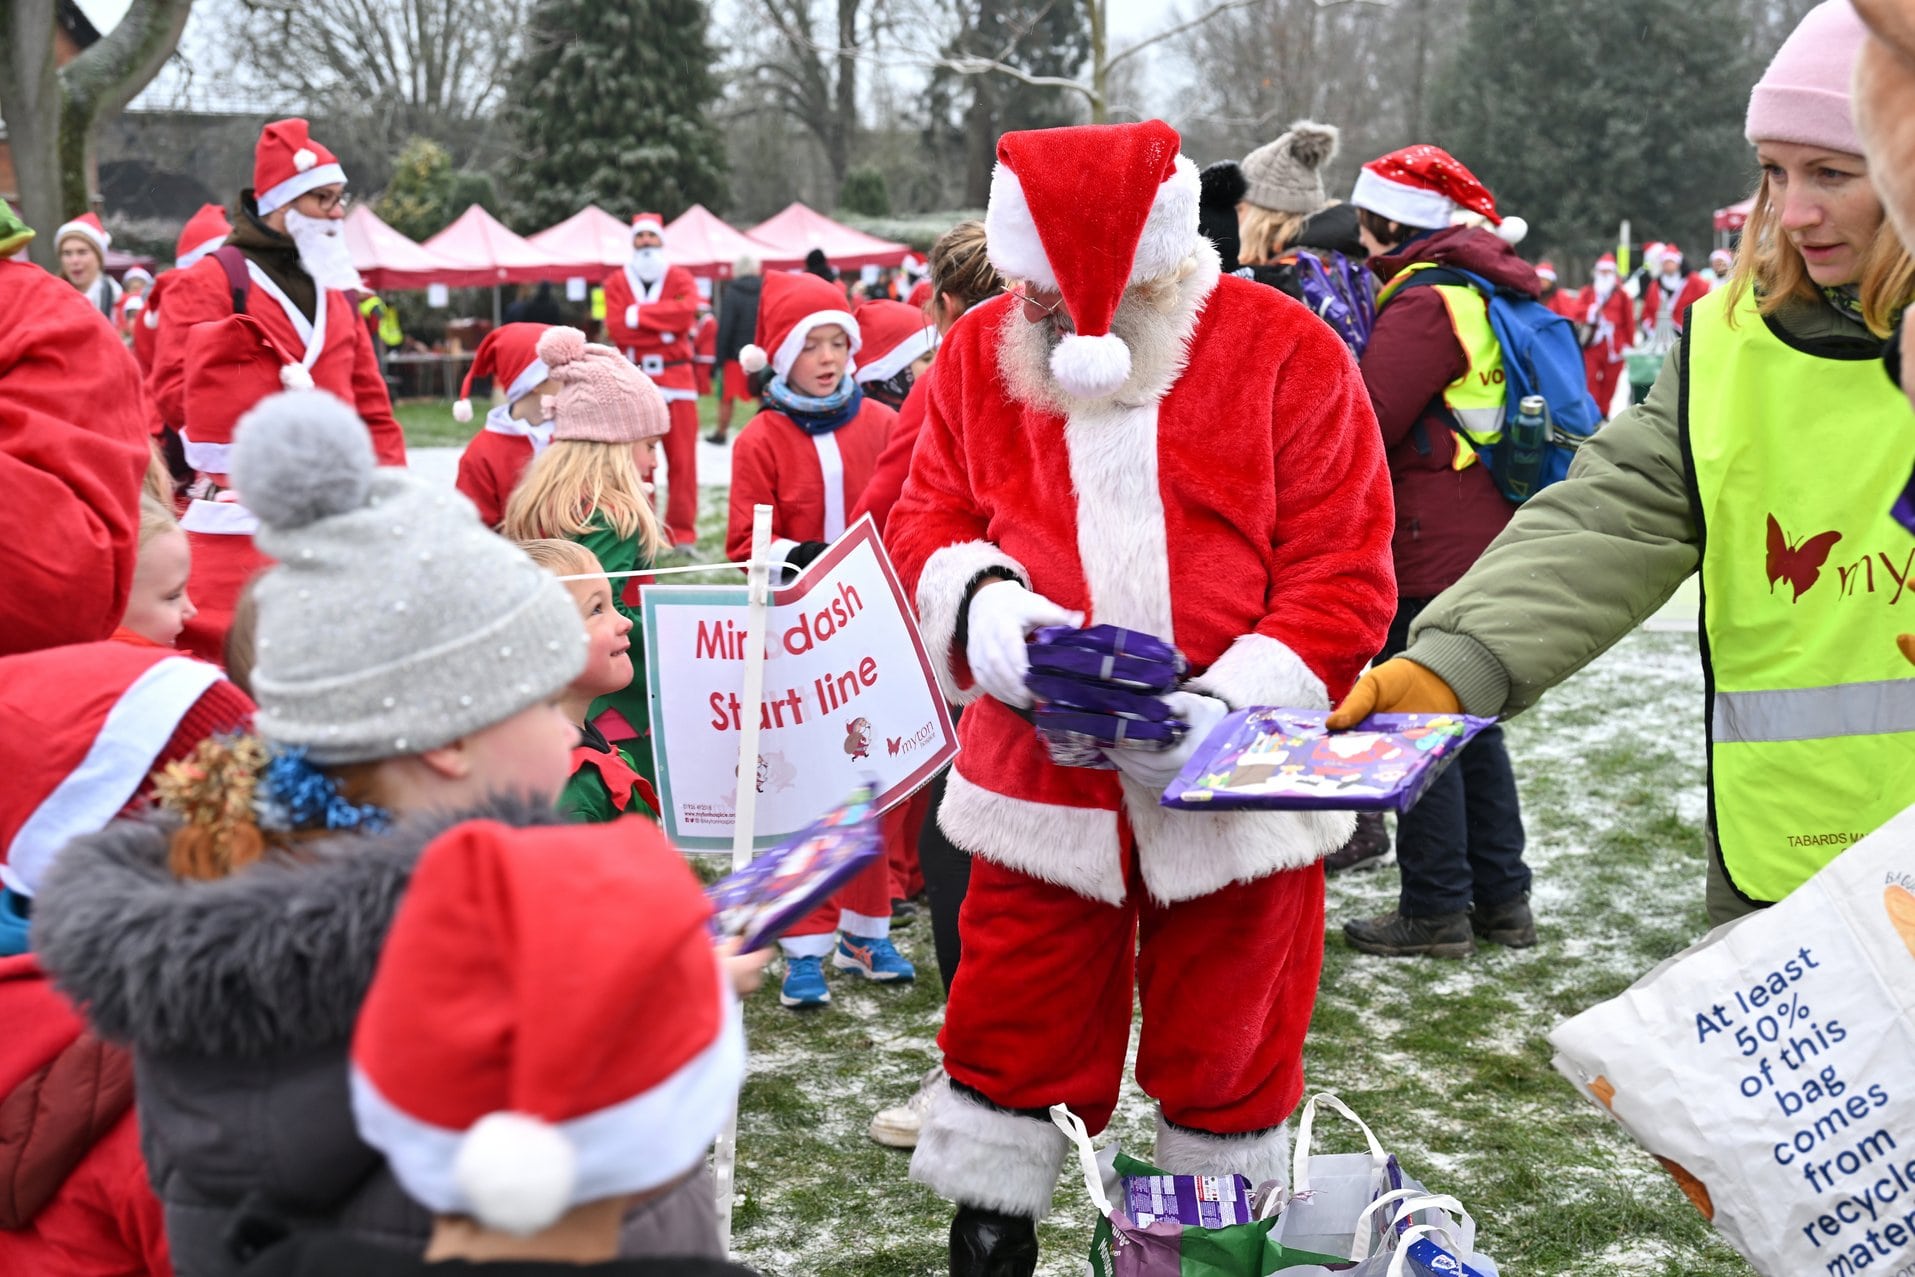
631 315
1154 769
1002 613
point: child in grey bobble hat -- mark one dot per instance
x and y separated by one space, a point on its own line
394 623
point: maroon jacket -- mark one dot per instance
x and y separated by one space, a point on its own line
1444 517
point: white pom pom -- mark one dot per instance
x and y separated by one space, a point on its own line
753 359
304 159
1090 367
1512 230
151 317
296 377
299 457
516 1173
462 410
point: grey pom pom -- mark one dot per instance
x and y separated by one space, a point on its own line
301 456
1313 144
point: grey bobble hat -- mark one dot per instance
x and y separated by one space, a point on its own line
1286 176
394 621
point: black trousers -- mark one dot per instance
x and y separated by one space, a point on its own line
947 876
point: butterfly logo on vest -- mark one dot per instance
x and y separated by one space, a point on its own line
1800 563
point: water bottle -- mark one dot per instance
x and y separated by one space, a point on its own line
1528 440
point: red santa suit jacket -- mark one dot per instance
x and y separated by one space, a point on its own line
894 463
494 462
1612 324
811 482
1694 289
653 326
147 331
705 351
1239 507
344 362
220 536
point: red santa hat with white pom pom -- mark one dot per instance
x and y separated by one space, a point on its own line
524 1049
789 307
1045 227
231 364
1426 187
510 353
287 163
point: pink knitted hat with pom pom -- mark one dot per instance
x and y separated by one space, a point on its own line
602 398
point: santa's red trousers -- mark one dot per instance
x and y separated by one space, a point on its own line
866 898
681 459
1040 1011
1604 377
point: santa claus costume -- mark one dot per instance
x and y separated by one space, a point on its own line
651 308
205 231
705 348
1608 317
492 462
896 336
104 293
1667 297
1558 299
1140 442
263 274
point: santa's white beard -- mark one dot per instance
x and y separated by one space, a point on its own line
1605 285
649 264
1152 319
1672 279
322 251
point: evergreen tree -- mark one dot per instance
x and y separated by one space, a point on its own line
426 194
1580 113
611 104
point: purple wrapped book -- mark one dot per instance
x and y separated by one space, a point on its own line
775 891
1286 760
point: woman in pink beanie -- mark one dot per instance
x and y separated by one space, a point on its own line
1767 457
588 486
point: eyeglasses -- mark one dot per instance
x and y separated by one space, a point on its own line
1049 308
327 202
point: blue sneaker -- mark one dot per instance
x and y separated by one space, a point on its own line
874 959
804 983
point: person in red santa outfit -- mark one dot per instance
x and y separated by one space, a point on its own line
1608 324
1667 298
1135 440
82 244
651 309
1557 298
205 231
900 342
285 265
515 431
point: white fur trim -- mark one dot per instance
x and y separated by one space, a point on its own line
1188 854
900 356
530 378
753 359
134 732
831 469
462 410
207 458
1170 233
1090 367
296 377
151 317
1410 205
1076 848
1011 241
278 197
1258 1158
1260 670
85 231
219 518
978 1156
794 343
517 1172
198 251
1121 530
939 596
652 224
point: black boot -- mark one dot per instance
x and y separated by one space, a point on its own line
1509 923
1367 846
988 1243
1392 935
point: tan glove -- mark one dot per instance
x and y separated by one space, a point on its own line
1395 687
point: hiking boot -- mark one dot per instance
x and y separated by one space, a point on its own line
898 1127
1391 935
873 957
804 985
903 912
988 1243
1509 923
1365 850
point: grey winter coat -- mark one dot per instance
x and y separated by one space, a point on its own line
238 999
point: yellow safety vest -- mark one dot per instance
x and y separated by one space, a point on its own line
1477 400
1795 452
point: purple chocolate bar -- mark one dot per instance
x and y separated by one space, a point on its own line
783 884
1108 654
1195 1201
1286 760
1096 698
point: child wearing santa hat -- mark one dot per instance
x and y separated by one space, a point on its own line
900 342
517 430
81 244
160 605
588 486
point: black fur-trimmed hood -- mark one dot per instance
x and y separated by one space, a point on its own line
272 960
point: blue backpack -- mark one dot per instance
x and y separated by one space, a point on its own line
1541 356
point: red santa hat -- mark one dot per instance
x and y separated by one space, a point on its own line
1546 269
895 336
790 306
1141 225
205 231
1425 186
86 725
649 222
921 294
287 163
231 364
1671 253
524 1048
86 226
1606 262
509 352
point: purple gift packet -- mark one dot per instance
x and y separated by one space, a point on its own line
783 884
1107 654
1196 1201
1286 760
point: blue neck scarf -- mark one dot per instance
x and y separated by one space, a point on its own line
816 414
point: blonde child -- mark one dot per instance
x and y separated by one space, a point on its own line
605 783
158 607
587 486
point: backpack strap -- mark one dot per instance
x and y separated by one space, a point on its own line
1444 275
238 278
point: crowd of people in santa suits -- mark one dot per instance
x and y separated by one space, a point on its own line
328 779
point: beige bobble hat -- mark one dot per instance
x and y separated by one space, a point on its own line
1286 176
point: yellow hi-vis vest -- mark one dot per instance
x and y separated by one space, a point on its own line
1795 453
1477 400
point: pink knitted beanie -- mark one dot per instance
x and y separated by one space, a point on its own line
1804 95
602 398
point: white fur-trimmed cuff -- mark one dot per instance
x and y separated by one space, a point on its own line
1259 670
1074 847
978 1156
941 593
1258 1158
1187 854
